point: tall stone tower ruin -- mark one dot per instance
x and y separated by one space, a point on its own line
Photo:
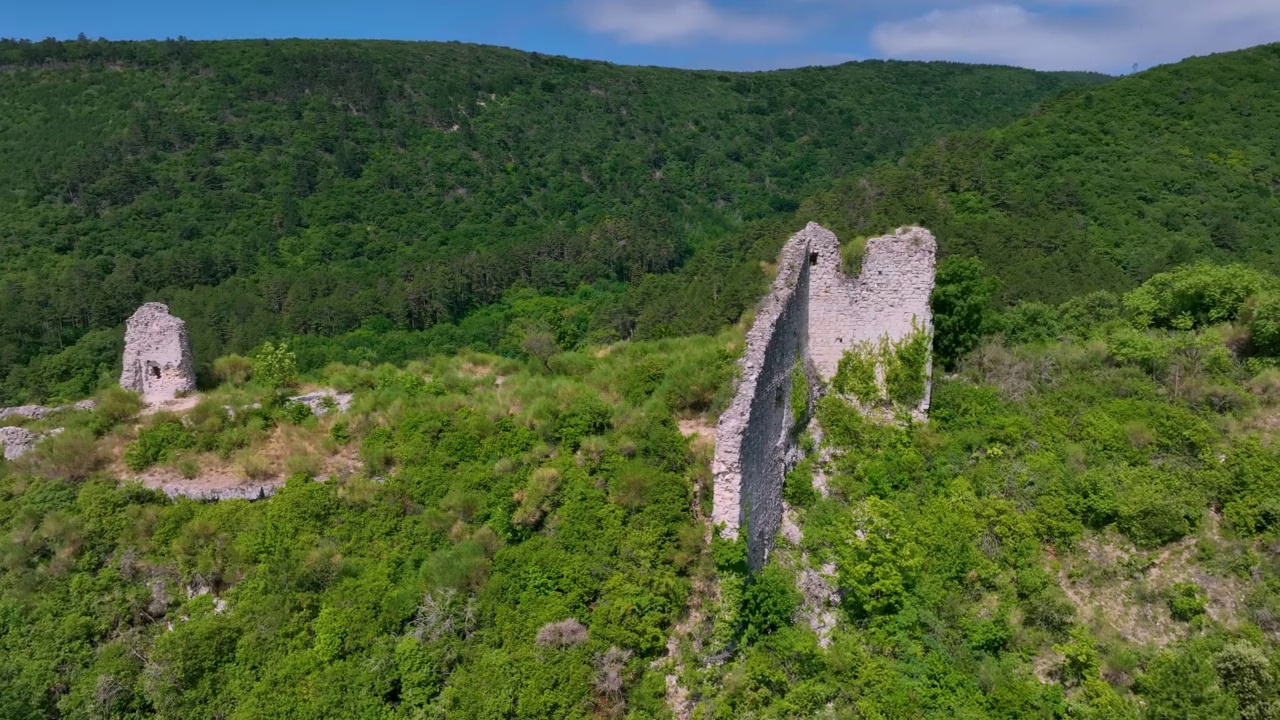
157 354
813 315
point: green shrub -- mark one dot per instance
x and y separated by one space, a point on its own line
961 303
297 413
1187 601
856 372
639 379
1244 670
768 603
586 416
851 254
905 365
340 432
797 486
1195 295
1264 324
72 454
113 405
1082 316
157 444
1080 661
1030 322
275 366
234 370
990 634
1155 508
188 468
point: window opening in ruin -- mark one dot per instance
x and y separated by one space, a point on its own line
155 371
813 258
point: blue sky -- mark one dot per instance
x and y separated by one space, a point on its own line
1103 35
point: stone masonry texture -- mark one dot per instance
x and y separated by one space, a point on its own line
814 313
157 354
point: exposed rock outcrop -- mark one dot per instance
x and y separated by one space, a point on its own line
36 412
322 401
247 491
157 355
813 314
17 441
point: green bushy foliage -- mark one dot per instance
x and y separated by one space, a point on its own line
797 486
1245 672
768 603
851 252
275 366
905 368
157 444
1195 295
112 406
1264 323
235 370
1187 601
297 413
856 372
72 454
1031 322
1084 315
961 304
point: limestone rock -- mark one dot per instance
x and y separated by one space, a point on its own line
17 441
320 405
36 412
157 355
31 412
248 491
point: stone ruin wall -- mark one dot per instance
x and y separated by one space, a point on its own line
752 437
157 359
816 312
890 293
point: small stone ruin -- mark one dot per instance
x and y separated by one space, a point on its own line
813 315
157 355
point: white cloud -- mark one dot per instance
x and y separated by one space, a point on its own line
1106 35
676 21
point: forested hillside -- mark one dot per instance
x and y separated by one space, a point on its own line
274 188
1098 189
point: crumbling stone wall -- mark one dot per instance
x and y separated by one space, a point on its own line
752 438
814 312
157 354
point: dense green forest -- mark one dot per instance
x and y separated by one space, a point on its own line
1097 189
266 189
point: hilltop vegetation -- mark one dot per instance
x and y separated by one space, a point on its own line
1083 529
518 541
1086 527
1098 189
273 188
